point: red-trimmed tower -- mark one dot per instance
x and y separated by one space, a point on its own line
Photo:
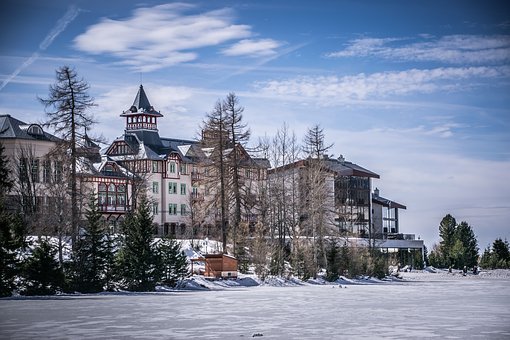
141 119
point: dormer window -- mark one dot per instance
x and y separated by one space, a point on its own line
36 130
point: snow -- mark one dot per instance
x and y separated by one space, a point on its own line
421 304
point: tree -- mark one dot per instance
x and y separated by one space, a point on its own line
173 263
447 234
316 192
92 254
239 134
41 272
137 259
215 138
68 102
497 257
11 232
465 235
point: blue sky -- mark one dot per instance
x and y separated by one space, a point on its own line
416 91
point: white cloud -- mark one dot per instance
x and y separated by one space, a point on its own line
453 49
379 85
168 34
253 48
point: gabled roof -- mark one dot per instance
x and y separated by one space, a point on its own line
13 128
141 105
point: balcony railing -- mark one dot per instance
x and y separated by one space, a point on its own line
112 208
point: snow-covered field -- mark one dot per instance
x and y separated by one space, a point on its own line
423 305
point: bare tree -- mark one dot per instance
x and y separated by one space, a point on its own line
215 142
316 192
68 102
239 134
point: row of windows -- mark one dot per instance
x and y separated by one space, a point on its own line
157 167
51 171
172 209
172 188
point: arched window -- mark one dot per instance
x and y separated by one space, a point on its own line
112 194
102 194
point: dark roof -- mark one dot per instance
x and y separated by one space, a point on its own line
386 202
13 128
344 168
262 163
141 105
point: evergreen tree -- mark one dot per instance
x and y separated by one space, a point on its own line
447 234
41 271
464 233
92 254
173 264
11 233
333 257
501 253
137 259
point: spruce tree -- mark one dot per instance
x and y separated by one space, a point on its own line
137 259
464 233
11 233
447 234
172 261
41 271
92 254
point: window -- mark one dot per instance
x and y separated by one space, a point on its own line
172 209
183 169
101 196
183 189
172 167
154 208
35 171
47 171
57 171
111 198
183 209
172 188
155 187
121 195
156 166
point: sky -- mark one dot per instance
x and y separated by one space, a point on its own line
418 92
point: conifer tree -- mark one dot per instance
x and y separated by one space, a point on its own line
137 259
172 261
11 233
41 271
68 102
447 234
92 253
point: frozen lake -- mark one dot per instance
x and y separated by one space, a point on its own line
423 308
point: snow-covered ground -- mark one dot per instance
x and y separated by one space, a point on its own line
423 305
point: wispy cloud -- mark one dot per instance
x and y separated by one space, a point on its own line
169 34
253 48
452 49
380 85
59 27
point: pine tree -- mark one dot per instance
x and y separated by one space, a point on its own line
137 259
92 253
501 253
41 271
173 263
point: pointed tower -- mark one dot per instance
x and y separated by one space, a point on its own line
141 119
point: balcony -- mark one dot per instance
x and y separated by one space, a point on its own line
113 208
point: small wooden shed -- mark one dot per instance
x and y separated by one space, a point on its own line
220 266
